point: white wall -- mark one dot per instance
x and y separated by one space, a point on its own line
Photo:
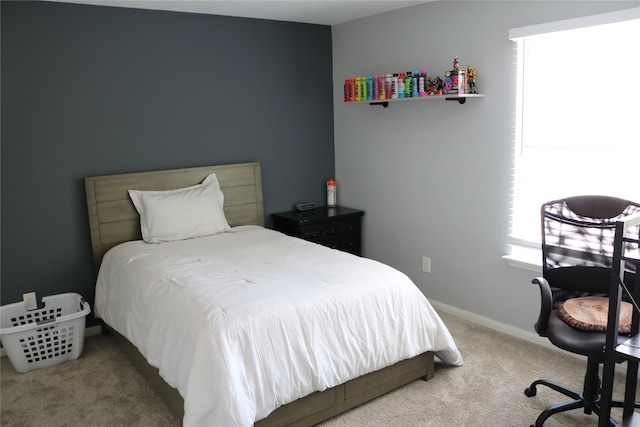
434 177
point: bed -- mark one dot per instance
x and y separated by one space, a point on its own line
248 326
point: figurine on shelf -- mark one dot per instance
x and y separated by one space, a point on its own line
439 86
435 86
456 65
471 79
431 84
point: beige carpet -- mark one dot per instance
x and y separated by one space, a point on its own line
102 388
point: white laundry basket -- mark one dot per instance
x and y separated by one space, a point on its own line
46 336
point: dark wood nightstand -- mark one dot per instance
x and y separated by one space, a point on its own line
338 228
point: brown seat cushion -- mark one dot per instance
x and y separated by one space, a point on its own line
590 314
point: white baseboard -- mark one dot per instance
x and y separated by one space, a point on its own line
495 325
511 330
92 330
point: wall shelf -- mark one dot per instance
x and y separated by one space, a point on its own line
453 97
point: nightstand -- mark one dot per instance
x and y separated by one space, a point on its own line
338 228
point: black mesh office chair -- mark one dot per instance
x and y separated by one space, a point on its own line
577 248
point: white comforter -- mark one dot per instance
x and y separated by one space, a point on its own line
246 321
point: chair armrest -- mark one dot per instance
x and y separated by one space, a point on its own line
546 304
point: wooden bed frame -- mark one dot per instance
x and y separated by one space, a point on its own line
114 220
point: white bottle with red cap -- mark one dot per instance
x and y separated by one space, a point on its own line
331 193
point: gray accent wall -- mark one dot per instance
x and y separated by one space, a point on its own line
435 177
91 90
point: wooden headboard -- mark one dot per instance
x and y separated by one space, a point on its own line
113 219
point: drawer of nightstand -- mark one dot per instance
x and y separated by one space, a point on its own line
330 231
351 227
343 227
311 233
347 244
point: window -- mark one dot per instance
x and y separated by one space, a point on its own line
578 117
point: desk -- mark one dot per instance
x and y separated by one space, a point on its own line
630 350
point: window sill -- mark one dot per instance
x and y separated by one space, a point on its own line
525 258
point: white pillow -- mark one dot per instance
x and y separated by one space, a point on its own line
180 214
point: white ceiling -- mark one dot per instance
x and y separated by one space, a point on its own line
328 12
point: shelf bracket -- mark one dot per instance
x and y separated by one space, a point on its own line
460 100
384 104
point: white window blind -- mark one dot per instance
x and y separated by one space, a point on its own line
578 115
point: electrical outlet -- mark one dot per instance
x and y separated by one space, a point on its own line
30 301
426 264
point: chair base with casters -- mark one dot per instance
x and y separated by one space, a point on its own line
588 400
